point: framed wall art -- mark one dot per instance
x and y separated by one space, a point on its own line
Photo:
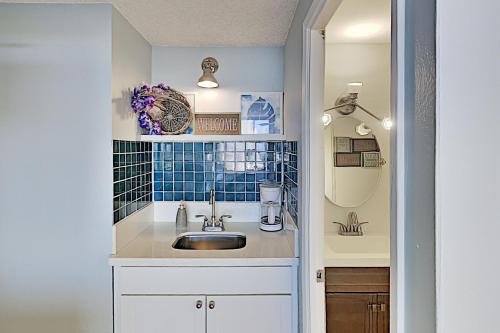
261 112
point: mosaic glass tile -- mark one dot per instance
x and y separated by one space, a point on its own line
228 167
133 177
290 167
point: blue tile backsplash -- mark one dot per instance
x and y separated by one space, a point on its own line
189 170
132 177
144 172
291 181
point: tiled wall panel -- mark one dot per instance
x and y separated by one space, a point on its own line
132 177
189 170
291 174
174 171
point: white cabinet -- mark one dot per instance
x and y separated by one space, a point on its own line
160 314
249 314
205 299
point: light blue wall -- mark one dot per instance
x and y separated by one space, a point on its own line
241 69
293 72
131 66
56 168
419 166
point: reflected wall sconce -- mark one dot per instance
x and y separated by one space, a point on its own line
363 130
346 104
207 79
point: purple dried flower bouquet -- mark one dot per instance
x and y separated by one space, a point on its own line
143 99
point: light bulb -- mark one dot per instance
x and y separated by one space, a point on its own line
354 87
208 84
326 119
355 84
387 123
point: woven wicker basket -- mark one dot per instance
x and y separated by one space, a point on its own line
172 111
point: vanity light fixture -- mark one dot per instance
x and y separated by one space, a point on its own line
347 104
207 79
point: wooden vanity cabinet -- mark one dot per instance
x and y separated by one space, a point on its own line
357 300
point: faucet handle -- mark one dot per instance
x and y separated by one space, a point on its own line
358 227
205 218
342 226
221 218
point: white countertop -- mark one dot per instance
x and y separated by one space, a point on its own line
153 247
357 251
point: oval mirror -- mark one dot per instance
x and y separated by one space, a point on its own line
352 162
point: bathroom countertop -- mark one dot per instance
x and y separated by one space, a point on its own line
153 247
357 251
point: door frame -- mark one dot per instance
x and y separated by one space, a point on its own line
313 300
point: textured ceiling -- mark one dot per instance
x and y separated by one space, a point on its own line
353 17
204 22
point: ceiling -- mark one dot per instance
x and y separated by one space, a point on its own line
360 21
204 22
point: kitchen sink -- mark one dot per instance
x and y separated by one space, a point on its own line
210 241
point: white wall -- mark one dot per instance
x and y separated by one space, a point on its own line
370 64
293 73
241 69
56 168
468 164
131 66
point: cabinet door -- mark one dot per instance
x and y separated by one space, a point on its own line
249 314
162 314
350 313
383 313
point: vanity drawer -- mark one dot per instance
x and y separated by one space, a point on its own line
204 280
357 279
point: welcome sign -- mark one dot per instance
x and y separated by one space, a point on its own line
217 123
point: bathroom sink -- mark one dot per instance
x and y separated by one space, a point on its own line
210 241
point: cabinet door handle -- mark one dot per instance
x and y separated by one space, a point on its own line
211 305
199 304
383 307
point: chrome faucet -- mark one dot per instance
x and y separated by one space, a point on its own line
214 225
353 226
212 203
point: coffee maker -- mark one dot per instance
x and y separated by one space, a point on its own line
270 207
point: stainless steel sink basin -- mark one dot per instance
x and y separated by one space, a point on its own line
210 241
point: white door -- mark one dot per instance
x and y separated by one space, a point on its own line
313 189
163 314
249 314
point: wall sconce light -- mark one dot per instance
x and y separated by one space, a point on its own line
207 79
347 104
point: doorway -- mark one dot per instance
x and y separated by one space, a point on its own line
411 227
357 126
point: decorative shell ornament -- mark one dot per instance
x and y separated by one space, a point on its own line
161 109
